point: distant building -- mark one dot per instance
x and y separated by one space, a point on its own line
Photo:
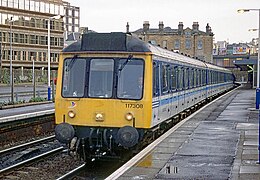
71 19
28 22
190 41
240 58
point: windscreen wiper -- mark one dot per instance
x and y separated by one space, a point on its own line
72 61
127 60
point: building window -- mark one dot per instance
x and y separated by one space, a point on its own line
200 45
32 5
27 4
187 34
177 44
187 43
21 38
16 3
164 44
16 38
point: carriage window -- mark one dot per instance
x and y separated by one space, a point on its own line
101 78
186 78
73 82
173 78
191 75
165 84
155 80
130 79
180 79
195 78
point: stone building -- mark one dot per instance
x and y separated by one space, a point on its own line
190 41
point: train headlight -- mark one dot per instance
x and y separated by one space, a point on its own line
129 116
99 117
71 114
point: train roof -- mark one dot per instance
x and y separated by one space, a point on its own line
126 42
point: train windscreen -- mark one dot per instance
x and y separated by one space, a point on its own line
101 78
73 81
130 79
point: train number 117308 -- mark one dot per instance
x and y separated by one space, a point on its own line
137 106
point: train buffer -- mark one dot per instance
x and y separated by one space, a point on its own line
220 141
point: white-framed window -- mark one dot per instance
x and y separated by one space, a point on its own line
164 44
177 44
188 44
200 44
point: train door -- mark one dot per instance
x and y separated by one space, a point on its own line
156 93
173 87
186 87
164 109
180 88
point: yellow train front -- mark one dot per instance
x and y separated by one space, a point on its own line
103 98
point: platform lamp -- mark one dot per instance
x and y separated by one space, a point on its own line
257 79
49 54
11 61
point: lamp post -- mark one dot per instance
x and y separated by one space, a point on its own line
11 63
258 69
49 54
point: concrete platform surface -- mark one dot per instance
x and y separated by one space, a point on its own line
221 142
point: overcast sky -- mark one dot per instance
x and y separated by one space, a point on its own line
222 16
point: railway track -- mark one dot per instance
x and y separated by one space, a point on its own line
15 157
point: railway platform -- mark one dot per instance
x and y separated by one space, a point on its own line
19 113
218 142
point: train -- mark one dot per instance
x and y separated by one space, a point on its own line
116 92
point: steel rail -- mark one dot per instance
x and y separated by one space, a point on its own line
26 144
15 166
72 172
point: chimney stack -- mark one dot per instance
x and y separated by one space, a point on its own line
146 26
195 26
180 28
208 29
127 27
161 26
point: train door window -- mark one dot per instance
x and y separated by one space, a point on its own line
165 79
173 78
73 82
203 76
101 78
199 77
180 78
209 77
155 79
130 79
186 78
195 78
192 77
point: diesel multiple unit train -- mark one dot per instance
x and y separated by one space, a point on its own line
116 92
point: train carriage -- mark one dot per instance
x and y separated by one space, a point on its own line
117 92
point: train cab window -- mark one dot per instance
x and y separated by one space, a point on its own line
130 79
101 78
73 82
